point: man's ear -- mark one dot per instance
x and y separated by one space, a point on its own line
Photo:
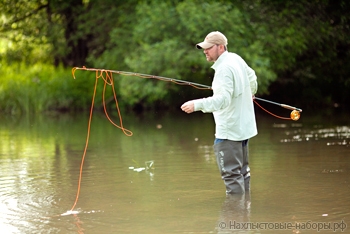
222 48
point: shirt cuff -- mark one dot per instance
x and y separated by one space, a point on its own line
197 105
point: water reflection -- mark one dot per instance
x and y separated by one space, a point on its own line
235 214
300 172
338 135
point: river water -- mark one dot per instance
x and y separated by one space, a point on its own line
164 178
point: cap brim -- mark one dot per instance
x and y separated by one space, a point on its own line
204 45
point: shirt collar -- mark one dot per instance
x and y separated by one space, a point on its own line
220 59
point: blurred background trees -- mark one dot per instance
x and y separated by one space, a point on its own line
299 49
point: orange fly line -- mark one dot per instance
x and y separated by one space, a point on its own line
107 77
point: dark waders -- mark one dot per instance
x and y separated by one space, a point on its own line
232 160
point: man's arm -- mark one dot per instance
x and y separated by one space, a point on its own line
252 80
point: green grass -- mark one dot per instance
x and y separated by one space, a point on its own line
43 87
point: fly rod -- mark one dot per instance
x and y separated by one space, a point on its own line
279 104
176 81
295 114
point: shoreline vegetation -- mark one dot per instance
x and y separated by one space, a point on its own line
44 88
300 51
38 88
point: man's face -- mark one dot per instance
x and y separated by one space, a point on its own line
212 53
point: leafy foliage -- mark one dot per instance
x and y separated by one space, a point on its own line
307 46
299 49
167 47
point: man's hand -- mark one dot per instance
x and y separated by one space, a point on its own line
188 107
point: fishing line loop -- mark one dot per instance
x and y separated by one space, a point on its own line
107 77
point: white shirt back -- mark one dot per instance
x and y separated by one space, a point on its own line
234 85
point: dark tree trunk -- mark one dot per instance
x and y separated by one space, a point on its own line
77 45
77 48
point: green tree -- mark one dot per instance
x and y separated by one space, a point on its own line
163 43
65 32
22 33
308 45
300 50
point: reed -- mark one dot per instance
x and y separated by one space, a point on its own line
41 87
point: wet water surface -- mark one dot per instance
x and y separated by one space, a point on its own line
164 178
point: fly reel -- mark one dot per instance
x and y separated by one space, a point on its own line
295 115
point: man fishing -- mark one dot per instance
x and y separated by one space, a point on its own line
234 85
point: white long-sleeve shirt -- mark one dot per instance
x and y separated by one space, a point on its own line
233 86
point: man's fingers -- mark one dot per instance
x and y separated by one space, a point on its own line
188 107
